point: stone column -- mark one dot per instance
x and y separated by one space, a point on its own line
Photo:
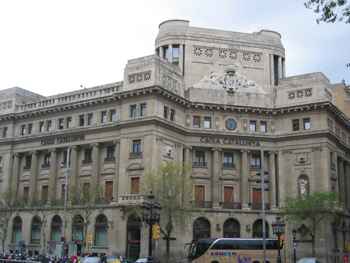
161 52
116 171
13 189
215 182
346 183
188 156
74 173
181 58
244 191
283 67
53 175
170 48
272 180
341 180
95 184
272 69
33 178
279 67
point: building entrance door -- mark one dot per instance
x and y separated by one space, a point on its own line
133 238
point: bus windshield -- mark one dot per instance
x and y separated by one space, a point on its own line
198 248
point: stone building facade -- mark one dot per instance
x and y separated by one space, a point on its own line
215 99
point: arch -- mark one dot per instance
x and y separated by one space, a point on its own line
231 228
17 229
303 185
56 228
78 228
258 231
35 230
101 230
201 228
133 237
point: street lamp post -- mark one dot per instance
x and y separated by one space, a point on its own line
151 216
278 230
294 232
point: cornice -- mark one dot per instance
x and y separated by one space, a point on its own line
184 102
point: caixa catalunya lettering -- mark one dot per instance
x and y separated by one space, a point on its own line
62 139
229 140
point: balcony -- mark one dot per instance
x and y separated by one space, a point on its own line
258 206
131 199
199 164
231 205
135 155
202 204
228 166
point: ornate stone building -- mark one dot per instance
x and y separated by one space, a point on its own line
215 99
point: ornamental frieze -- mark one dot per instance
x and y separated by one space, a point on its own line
139 77
298 94
226 53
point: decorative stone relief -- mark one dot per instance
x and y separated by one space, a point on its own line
226 53
300 93
168 150
303 185
170 83
302 158
138 77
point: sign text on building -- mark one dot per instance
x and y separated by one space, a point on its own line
62 139
230 141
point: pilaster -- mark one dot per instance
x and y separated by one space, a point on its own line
33 177
244 193
53 175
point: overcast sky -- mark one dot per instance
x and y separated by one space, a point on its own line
54 46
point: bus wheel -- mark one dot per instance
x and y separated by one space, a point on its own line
215 261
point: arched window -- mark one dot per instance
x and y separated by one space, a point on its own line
232 228
101 227
56 228
303 185
133 237
78 228
35 232
201 228
17 229
258 231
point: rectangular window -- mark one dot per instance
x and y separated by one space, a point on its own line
46 161
27 162
112 115
103 116
136 146
63 191
199 193
109 191
295 124
263 126
68 122
41 126
86 191
135 185
4 132
199 159
143 107
228 160
110 153
228 194
196 122
255 161
306 123
81 120
60 123
30 128
89 118
257 196
172 114
48 125
133 111
87 155
176 54
26 194
23 129
207 122
44 193
166 112
252 126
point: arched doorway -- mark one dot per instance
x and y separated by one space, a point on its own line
35 231
78 232
133 237
201 228
258 231
231 228
17 229
56 228
101 231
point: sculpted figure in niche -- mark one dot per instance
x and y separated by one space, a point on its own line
303 185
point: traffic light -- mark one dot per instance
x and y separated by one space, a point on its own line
155 232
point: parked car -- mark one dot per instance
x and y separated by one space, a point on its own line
91 259
308 260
